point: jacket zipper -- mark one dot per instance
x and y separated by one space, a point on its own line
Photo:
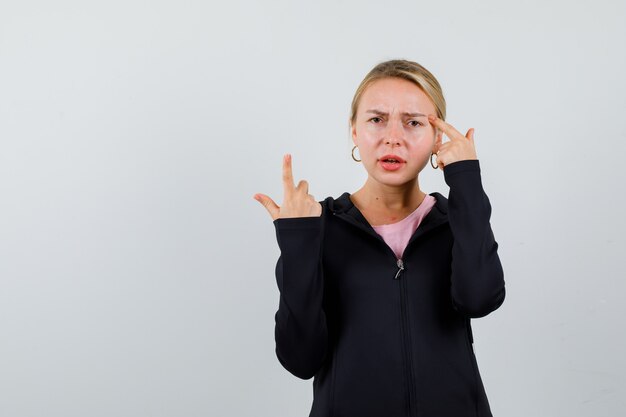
406 336
404 325
400 268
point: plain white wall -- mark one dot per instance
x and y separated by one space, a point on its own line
136 270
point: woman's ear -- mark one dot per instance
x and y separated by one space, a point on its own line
353 133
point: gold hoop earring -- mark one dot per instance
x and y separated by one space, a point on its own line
431 161
358 160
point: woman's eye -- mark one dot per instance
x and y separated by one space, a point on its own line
417 123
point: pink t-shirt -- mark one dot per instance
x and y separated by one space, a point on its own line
397 235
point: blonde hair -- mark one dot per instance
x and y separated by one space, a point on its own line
407 70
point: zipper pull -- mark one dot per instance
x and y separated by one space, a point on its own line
401 268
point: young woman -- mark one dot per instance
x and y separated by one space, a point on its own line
377 288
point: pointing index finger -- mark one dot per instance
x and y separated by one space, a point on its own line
447 128
287 174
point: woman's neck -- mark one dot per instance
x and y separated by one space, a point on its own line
382 198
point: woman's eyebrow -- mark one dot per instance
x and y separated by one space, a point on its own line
382 113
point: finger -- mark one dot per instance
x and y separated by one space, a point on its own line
269 204
440 164
447 128
444 146
287 174
303 185
470 134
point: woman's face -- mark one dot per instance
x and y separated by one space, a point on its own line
392 119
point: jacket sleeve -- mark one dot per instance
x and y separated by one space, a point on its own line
300 332
477 276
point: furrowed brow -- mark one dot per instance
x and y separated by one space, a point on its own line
382 113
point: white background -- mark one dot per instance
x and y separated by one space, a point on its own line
136 270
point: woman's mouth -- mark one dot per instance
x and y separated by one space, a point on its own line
391 162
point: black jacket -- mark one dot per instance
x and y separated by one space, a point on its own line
385 336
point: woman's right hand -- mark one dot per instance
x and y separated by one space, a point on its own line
297 202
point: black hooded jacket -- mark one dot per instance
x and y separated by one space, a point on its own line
385 336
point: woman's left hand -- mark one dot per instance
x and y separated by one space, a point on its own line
459 147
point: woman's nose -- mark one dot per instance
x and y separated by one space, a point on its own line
394 134
392 141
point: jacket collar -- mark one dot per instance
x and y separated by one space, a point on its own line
343 207
343 203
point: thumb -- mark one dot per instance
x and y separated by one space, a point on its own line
470 134
269 204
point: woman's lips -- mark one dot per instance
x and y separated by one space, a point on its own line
391 166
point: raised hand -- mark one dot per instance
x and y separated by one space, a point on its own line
297 202
459 147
